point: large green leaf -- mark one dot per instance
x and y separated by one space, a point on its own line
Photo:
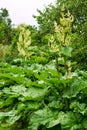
65 50
56 105
67 120
41 117
28 105
33 93
79 107
10 117
78 85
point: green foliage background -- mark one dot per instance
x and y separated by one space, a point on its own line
48 89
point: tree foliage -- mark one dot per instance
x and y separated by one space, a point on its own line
78 9
5 27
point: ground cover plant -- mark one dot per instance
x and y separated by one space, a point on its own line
40 91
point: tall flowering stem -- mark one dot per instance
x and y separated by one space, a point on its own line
61 41
24 41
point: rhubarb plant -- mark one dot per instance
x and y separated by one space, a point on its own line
39 95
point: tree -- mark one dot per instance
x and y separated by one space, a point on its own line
5 27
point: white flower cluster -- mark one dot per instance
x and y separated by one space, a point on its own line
24 41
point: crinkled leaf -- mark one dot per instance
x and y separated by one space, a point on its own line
10 117
34 93
79 107
67 120
41 117
30 105
56 104
75 87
